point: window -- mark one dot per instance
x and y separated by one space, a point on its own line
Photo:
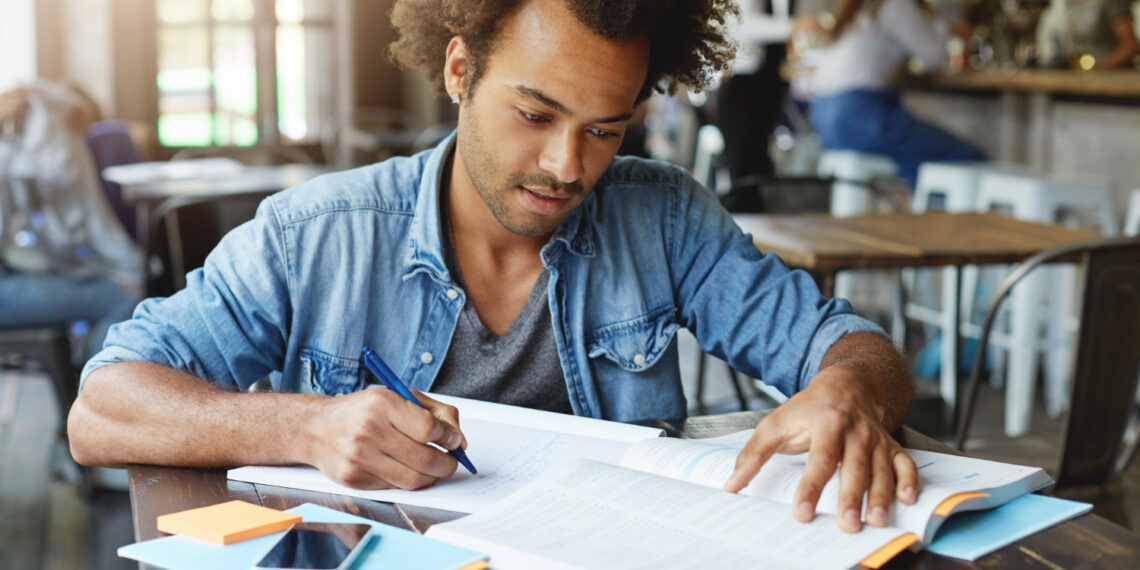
244 72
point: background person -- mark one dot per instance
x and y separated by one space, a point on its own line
855 105
1101 29
64 256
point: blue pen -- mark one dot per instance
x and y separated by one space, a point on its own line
393 383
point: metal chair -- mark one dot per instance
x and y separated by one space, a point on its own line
1106 362
50 348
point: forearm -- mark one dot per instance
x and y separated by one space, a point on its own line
1127 47
878 372
139 412
1117 58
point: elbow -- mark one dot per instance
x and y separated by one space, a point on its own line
90 430
80 426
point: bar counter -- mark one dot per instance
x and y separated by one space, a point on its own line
1124 84
1068 122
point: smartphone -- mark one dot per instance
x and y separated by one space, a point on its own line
323 546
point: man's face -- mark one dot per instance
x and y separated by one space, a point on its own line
546 117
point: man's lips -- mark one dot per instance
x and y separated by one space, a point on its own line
547 193
539 202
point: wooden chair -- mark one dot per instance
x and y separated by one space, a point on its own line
1106 361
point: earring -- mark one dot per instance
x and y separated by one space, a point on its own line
455 98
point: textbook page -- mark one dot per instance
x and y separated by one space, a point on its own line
588 514
711 461
508 451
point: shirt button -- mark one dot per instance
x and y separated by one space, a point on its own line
639 359
426 358
452 294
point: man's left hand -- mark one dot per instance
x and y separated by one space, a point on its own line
840 426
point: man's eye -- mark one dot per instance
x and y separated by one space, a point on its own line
532 117
603 134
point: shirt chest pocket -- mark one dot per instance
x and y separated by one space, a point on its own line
331 375
637 344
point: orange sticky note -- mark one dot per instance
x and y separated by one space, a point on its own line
227 523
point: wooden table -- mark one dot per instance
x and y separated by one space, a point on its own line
1088 541
824 245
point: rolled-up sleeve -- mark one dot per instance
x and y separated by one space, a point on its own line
745 306
228 325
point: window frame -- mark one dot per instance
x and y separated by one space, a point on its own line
264 26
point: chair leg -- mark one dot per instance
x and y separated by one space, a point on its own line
700 392
1020 386
740 397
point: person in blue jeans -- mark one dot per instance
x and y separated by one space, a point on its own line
855 105
64 256
519 261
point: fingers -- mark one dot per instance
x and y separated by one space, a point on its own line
882 491
823 458
906 475
854 478
377 439
382 471
748 463
449 415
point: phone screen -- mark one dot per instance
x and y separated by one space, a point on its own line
316 546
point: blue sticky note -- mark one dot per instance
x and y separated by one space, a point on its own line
972 535
397 548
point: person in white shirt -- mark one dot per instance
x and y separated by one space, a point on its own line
64 256
855 105
1097 34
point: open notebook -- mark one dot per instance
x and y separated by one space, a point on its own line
663 507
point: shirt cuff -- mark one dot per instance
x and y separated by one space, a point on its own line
109 355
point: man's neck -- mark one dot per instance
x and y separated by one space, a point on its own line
476 232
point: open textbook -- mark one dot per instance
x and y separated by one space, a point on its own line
663 507
509 445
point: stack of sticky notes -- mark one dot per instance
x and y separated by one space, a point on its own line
227 523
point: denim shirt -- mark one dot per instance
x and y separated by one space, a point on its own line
354 258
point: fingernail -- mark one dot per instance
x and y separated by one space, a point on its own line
909 492
804 511
453 440
879 515
852 517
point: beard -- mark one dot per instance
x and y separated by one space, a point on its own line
484 172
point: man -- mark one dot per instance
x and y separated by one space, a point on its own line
518 261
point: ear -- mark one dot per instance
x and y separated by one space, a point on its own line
455 67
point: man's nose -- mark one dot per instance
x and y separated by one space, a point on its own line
562 157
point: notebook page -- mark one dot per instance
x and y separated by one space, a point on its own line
506 456
593 515
550 421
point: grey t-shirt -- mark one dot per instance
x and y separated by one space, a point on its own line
520 368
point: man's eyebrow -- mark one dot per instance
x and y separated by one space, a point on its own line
541 97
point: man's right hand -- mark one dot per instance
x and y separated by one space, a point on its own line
374 439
